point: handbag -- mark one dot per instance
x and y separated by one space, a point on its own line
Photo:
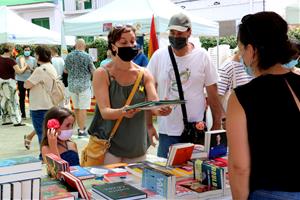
190 132
94 152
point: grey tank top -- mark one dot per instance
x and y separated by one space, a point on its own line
131 139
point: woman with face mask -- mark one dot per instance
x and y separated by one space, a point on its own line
40 83
57 133
263 115
112 85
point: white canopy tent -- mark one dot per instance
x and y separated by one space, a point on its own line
15 29
137 13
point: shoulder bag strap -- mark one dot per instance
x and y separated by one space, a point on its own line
178 81
128 101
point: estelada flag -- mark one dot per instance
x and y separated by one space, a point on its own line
153 43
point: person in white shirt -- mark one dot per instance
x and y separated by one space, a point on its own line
196 72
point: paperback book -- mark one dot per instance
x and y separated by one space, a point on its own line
158 181
81 173
216 143
117 191
209 174
180 153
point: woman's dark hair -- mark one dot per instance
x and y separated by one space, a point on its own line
267 33
44 53
58 113
115 35
26 46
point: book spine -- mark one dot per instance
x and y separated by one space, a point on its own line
16 190
6 191
36 188
26 189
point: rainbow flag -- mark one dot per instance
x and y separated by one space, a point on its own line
153 42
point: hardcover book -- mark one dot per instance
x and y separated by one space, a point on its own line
75 183
117 191
54 190
216 143
180 153
19 164
55 165
148 105
20 176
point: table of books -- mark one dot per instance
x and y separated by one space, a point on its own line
149 179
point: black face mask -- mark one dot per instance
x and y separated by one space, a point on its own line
127 53
177 42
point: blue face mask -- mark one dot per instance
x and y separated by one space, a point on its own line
248 69
291 64
26 53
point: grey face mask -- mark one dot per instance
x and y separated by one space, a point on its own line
178 42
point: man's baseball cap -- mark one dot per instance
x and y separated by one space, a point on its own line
179 22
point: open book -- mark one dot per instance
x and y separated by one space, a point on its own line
149 105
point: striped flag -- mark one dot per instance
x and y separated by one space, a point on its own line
153 43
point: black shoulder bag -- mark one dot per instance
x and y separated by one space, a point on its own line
190 132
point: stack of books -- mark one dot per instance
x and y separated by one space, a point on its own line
20 178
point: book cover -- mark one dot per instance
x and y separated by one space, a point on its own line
202 190
181 190
136 169
55 165
208 174
75 183
158 181
180 153
118 190
19 164
81 173
148 105
216 143
54 190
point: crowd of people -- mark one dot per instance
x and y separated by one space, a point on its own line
262 113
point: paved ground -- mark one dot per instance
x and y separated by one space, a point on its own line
12 142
